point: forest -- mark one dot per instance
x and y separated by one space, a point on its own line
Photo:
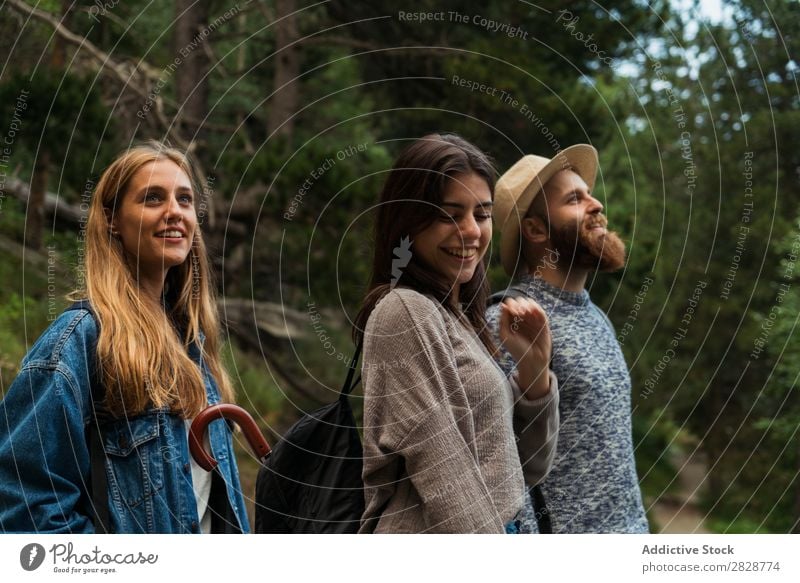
295 111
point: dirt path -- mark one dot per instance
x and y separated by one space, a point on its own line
681 514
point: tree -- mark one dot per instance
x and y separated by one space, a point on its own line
59 116
702 181
191 77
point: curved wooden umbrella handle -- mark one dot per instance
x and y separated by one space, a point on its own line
227 411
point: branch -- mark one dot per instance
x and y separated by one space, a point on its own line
53 204
106 14
240 128
274 320
148 74
265 10
71 215
102 57
34 260
338 40
214 62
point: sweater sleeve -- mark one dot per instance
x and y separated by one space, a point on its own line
417 417
536 424
503 356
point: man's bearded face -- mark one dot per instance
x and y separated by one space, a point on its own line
588 245
577 226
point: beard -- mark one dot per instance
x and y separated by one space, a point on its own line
579 246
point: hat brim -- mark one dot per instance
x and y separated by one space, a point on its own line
582 158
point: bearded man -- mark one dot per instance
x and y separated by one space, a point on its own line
553 236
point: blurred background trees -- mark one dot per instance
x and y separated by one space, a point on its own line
294 112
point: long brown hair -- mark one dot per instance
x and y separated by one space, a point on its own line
142 357
409 203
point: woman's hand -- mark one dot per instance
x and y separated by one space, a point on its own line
525 333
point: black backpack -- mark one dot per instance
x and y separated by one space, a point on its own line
311 482
539 506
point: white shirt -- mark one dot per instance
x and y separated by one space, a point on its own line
201 481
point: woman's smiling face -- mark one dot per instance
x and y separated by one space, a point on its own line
156 219
455 243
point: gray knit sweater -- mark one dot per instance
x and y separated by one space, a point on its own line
440 453
593 486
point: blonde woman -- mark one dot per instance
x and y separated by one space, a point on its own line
138 359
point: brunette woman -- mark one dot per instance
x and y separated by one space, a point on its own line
138 359
449 444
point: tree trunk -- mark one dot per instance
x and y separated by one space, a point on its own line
190 36
287 67
191 75
716 443
796 526
34 217
59 55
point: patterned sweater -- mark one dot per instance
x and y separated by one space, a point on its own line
440 417
593 486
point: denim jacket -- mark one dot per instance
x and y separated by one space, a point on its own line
44 457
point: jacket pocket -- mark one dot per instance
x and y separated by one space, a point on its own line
133 464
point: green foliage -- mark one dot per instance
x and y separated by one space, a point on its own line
527 54
681 110
655 444
738 526
62 113
777 417
12 320
23 317
12 219
256 390
700 184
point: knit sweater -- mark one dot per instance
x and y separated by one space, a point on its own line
440 453
593 486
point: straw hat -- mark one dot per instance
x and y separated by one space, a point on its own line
517 188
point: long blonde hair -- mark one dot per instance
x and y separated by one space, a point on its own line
142 360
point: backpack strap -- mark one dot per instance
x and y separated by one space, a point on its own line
540 510
349 384
537 496
97 456
101 516
498 297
